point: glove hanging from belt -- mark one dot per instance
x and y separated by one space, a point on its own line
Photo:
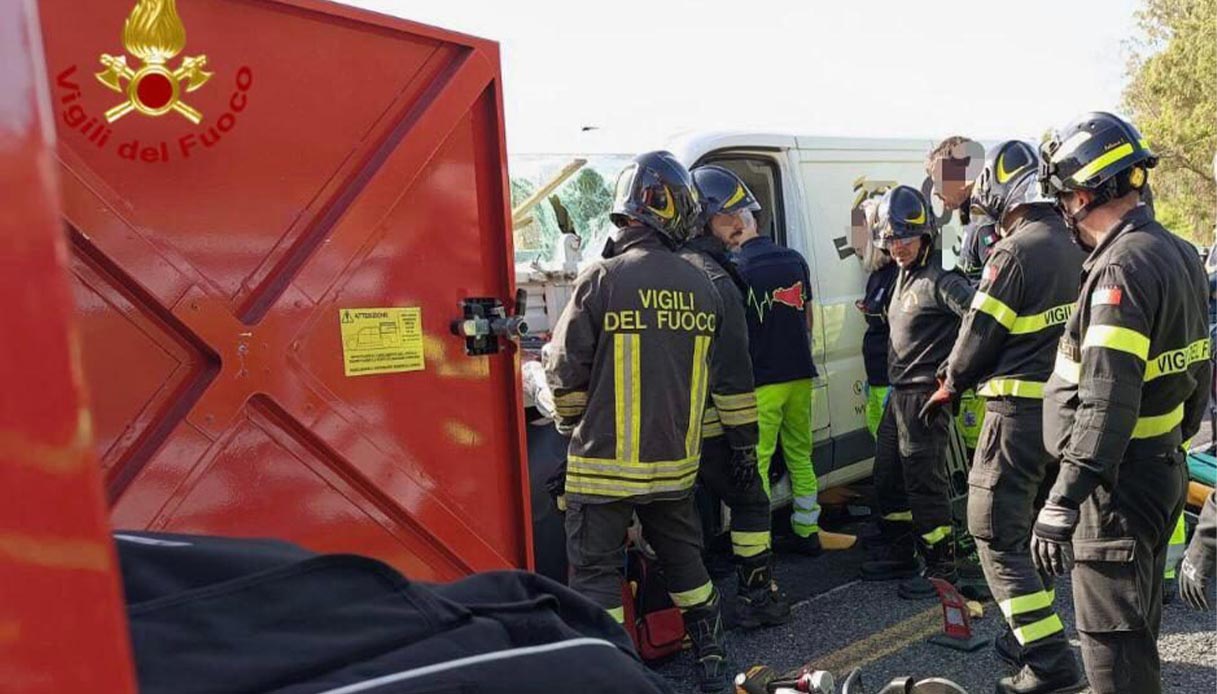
743 467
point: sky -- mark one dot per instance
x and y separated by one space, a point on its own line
642 71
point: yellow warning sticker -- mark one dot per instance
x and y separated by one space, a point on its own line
381 340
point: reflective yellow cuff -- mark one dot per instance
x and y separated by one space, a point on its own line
737 418
709 431
937 535
749 544
692 598
737 401
1117 338
1012 387
1037 630
899 516
1023 604
1149 427
1000 312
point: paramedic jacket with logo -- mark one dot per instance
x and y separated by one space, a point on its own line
779 287
927 303
1028 287
630 369
1132 372
731 409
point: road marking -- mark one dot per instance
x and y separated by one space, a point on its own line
883 643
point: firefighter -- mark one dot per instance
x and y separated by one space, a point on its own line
1197 566
910 463
630 370
778 310
953 166
729 428
1007 347
1129 386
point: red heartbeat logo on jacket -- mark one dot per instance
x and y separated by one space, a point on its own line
792 296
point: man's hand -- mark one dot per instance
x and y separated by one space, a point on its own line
1193 585
938 399
743 467
1052 537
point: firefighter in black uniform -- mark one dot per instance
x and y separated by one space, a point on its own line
910 463
729 426
1007 347
630 371
1130 385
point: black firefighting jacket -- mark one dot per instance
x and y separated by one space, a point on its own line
923 316
731 409
1007 343
630 368
1132 372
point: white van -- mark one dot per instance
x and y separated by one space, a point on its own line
808 188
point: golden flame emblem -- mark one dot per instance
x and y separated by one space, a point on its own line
154 34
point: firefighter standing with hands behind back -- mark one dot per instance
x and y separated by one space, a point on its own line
630 370
910 462
1007 347
1129 387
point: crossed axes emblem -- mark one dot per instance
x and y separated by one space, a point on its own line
188 76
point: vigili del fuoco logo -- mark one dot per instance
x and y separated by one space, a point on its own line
153 35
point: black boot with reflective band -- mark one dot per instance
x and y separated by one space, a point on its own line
939 563
894 557
704 624
760 603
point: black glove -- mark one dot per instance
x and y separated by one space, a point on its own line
1052 538
556 486
1193 584
743 468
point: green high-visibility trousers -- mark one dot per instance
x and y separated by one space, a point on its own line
784 410
875 396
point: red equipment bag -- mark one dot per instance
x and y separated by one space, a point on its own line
651 618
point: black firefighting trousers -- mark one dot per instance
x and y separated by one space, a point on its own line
749 507
1010 478
910 466
1120 551
595 544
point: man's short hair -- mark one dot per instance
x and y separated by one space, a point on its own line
958 154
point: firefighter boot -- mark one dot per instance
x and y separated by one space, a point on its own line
760 602
894 557
939 563
1027 682
1007 647
704 624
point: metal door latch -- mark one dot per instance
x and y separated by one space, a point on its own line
485 319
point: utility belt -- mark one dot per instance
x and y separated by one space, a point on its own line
1142 452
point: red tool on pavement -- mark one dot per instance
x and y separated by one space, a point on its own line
956 622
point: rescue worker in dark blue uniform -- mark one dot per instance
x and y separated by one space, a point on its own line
880 282
631 367
1006 349
729 426
910 462
1129 387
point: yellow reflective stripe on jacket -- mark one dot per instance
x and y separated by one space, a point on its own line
709 431
697 394
571 404
692 598
749 544
1177 360
1023 604
605 467
736 410
1117 338
1037 630
1016 324
1067 369
627 488
1149 427
1057 315
994 307
1003 387
627 389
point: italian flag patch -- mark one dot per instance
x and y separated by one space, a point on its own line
1106 296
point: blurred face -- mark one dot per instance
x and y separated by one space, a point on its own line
734 228
951 184
905 251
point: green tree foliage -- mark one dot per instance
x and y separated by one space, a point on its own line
1172 97
586 197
